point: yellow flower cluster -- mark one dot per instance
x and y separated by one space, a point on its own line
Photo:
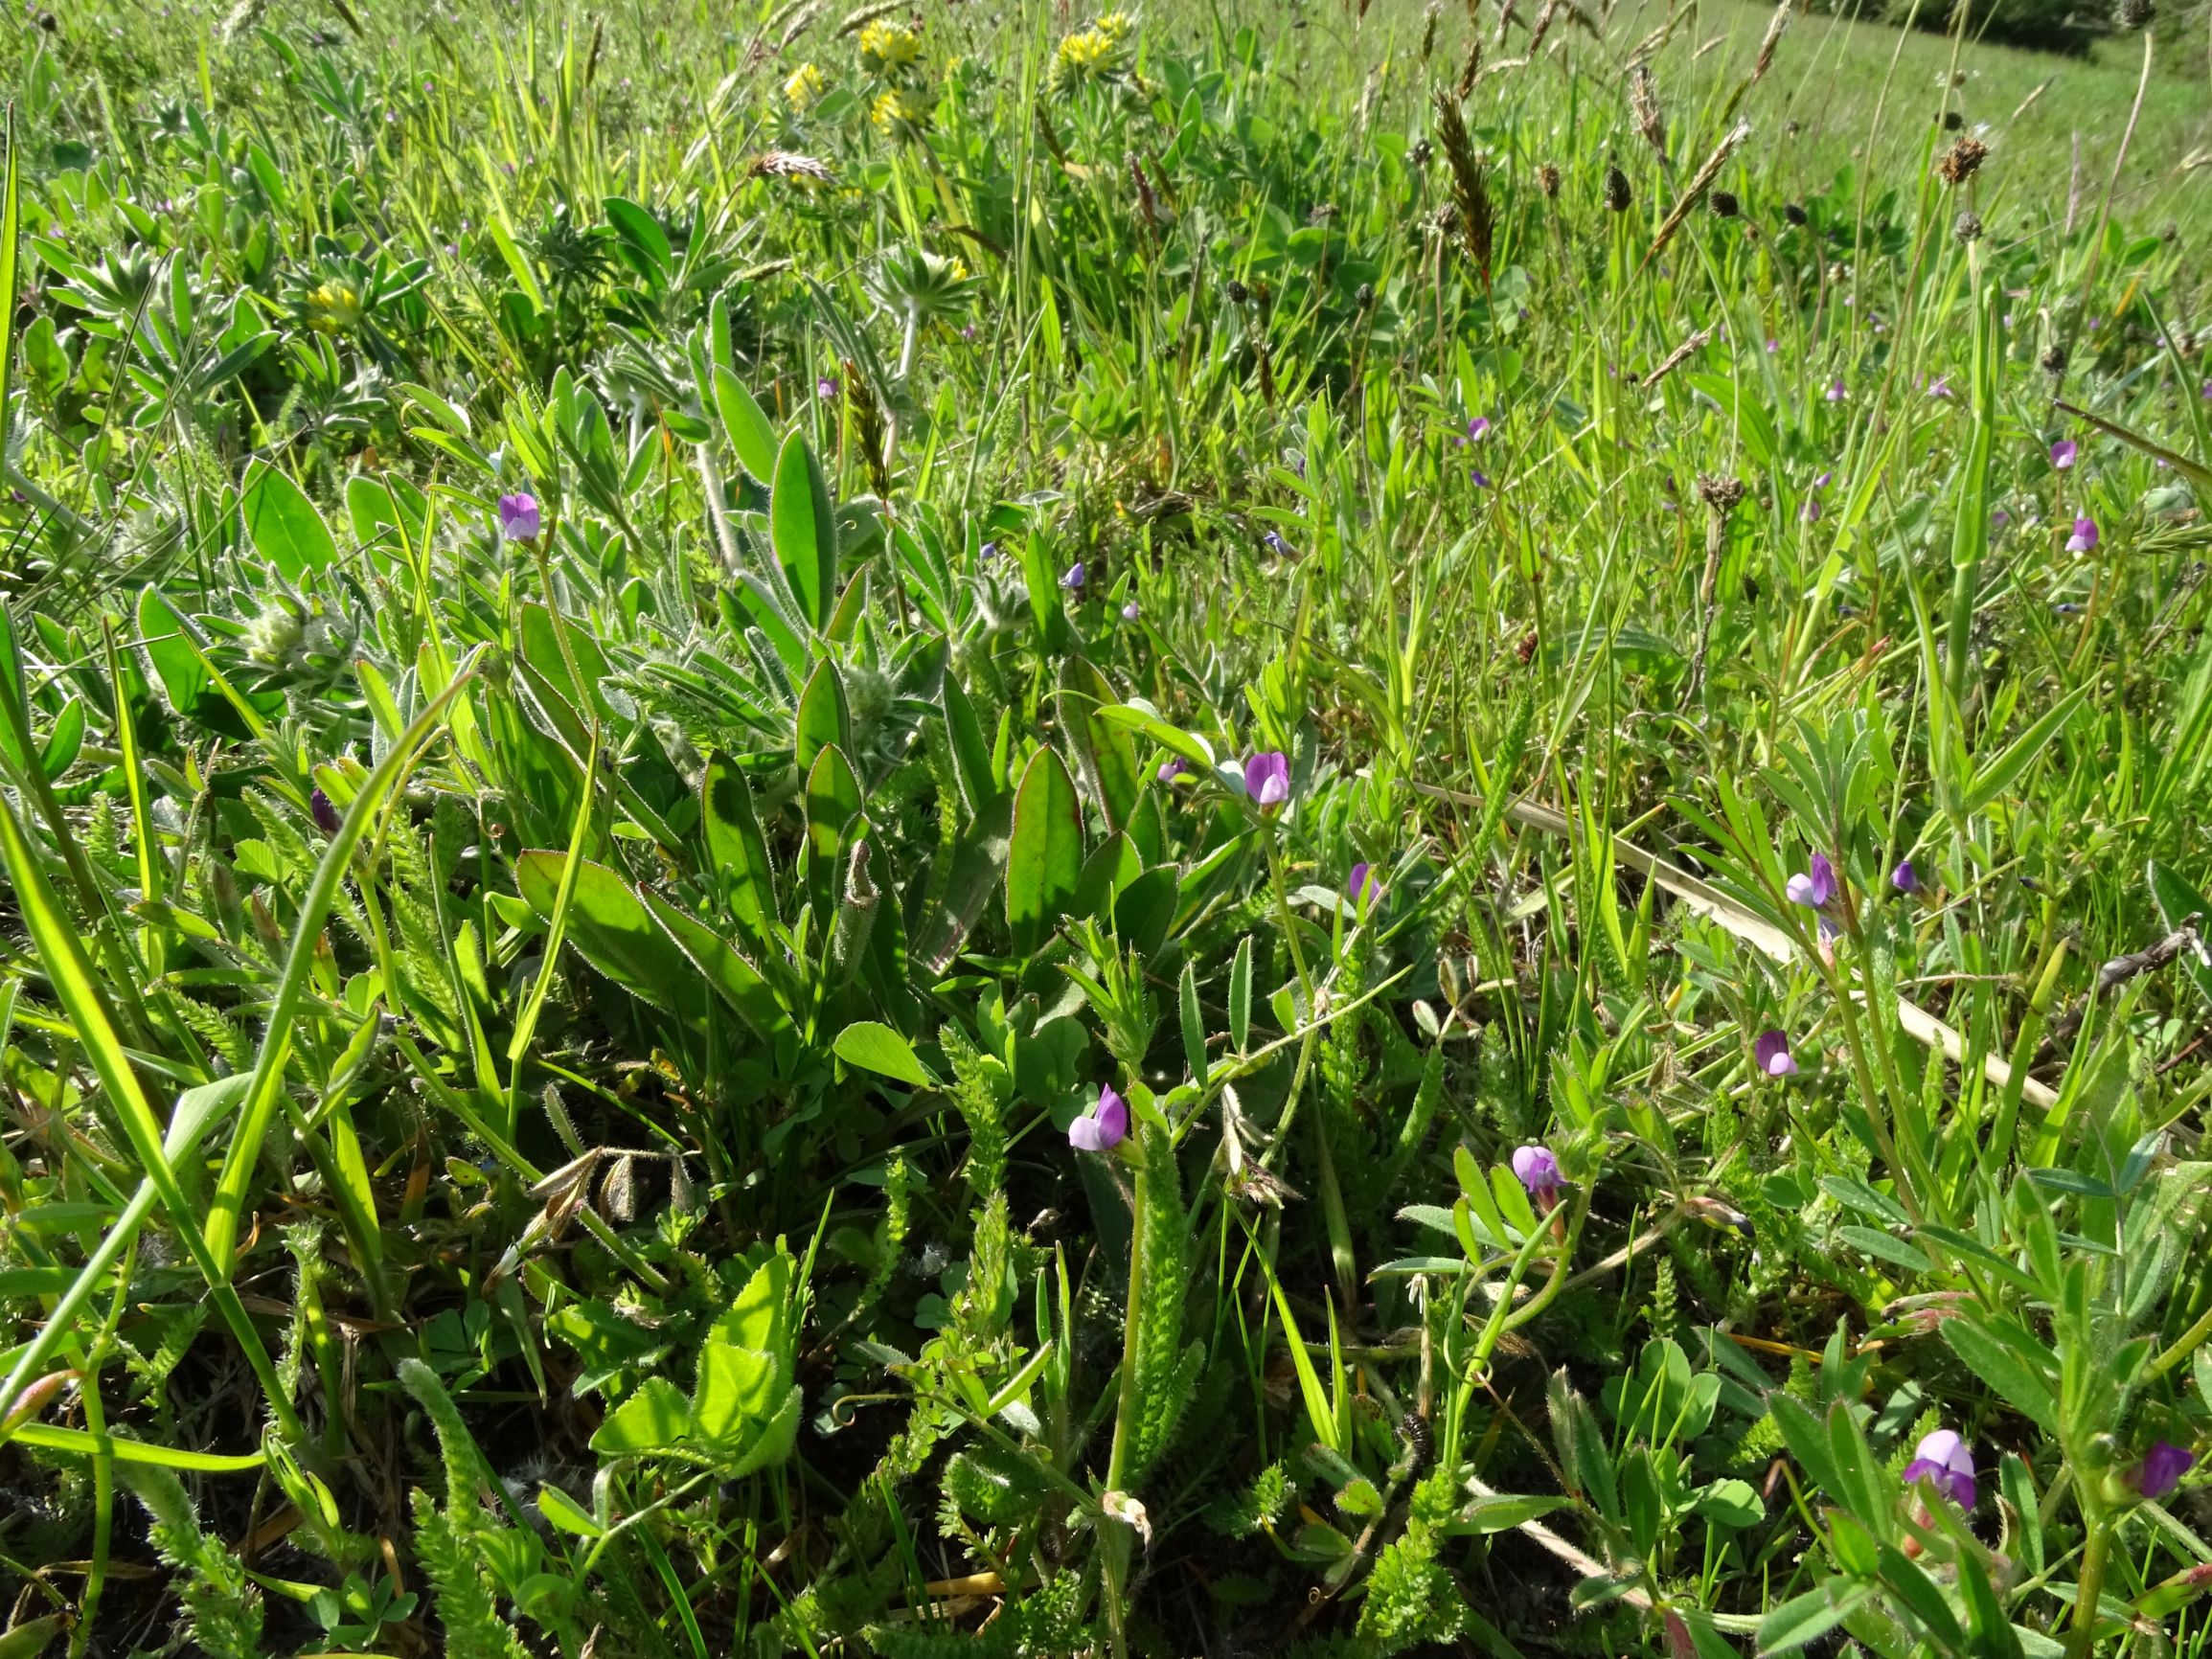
902 114
889 50
1093 54
333 307
804 87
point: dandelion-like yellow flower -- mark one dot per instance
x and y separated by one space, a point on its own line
804 87
902 114
889 50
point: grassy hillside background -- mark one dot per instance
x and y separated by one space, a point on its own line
1218 829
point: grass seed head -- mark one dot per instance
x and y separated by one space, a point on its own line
1963 160
1618 195
2136 14
1721 495
1547 180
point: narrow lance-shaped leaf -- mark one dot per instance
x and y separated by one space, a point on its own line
802 526
1044 861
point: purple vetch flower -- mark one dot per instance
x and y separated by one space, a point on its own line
2063 453
1104 1127
1267 779
1772 345
1948 1461
827 387
1478 427
1364 885
519 517
1904 878
1835 393
1130 612
2084 536
1940 387
1170 769
2163 1466
2205 391
1539 1172
987 552
1771 1050
1808 511
1481 478
1072 579
1814 888
326 815
1276 545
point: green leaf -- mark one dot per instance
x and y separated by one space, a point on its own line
738 848
652 1420
833 802
1044 859
970 755
1731 1502
49 1437
874 1047
1104 749
752 439
282 523
2178 900
1806 1618
616 933
1502 1512
566 1515
2000 775
1883 1248
2001 1365
724 970
823 716
803 527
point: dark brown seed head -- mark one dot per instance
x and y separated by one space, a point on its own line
1237 291
2055 360
1794 214
1962 160
47 22
2136 14
1721 495
1724 204
1547 180
1421 153
1952 120
1967 227
1618 195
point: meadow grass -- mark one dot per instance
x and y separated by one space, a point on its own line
1222 830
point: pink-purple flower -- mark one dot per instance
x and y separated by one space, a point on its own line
1539 1172
1072 578
2084 536
1948 1461
2063 453
1364 884
1815 887
325 813
827 387
1170 769
1836 394
1103 1127
519 518
1904 878
1771 1050
2163 1466
1267 779
1130 612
